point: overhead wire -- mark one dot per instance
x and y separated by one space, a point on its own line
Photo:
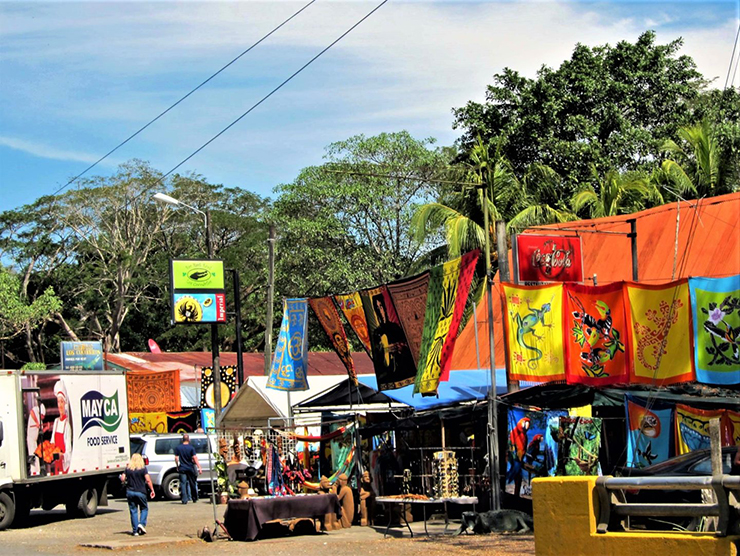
732 58
137 132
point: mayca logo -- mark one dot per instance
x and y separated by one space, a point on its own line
98 410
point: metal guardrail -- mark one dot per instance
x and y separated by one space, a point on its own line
725 506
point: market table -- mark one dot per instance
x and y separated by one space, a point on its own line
390 501
244 519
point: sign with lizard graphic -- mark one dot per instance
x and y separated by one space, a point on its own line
534 332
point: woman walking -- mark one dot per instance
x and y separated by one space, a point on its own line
137 482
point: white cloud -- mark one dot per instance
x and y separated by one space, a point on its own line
46 151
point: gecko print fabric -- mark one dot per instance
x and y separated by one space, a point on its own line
649 431
351 305
534 332
290 363
692 428
596 322
715 305
660 333
330 321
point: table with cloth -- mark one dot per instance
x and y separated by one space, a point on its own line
390 501
244 519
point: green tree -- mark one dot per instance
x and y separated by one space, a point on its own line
607 107
616 194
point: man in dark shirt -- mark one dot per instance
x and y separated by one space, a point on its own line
187 463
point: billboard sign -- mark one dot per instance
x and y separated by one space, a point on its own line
198 308
542 258
197 291
82 356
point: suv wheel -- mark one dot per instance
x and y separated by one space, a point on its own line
171 487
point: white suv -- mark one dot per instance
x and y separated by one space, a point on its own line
159 449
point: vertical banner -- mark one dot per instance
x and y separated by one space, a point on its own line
715 306
330 321
692 428
596 325
445 305
534 332
290 362
351 306
410 299
394 365
649 431
660 333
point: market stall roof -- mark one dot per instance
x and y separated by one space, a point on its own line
345 396
677 240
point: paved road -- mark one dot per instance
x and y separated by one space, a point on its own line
173 527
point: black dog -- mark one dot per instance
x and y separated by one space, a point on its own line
496 521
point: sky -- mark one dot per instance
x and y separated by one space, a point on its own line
77 78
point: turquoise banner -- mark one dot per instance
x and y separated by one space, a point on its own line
290 363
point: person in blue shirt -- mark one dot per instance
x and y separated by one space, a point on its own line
189 469
137 480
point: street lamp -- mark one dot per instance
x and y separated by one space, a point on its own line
166 199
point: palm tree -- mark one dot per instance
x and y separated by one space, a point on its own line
617 194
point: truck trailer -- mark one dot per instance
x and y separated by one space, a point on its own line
63 436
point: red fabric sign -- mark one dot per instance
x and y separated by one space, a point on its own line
549 258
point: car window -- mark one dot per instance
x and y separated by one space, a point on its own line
200 445
166 445
137 445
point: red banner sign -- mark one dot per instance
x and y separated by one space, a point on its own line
549 258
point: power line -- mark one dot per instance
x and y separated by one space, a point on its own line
734 48
121 144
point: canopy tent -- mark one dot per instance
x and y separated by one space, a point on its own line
347 397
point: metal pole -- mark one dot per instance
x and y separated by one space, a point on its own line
238 326
270 298
215 353
492 405
633 240
502 251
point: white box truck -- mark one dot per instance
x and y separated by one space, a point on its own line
63 435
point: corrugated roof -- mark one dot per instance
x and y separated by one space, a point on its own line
678 240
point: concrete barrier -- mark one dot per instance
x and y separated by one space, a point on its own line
565 516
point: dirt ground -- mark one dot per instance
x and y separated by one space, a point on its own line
172 529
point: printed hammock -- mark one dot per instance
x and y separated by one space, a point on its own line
313 438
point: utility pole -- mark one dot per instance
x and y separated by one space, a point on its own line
502 250
270 298
633 242
238 326
215 352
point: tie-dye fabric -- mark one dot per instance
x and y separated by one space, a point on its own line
649 431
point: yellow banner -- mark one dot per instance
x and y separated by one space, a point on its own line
534 332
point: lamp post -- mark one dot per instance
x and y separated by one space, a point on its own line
166 199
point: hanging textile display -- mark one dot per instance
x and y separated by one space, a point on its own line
660 333
534 332
182 422
290 362
649 431
731 428
351 306
147 422
715 306
410 300
551 443
579 442
692 428
228 386
274 473
208 419
330 321
527 452
394 366
449 285
153 391
346 429
595 324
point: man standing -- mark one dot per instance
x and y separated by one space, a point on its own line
187 463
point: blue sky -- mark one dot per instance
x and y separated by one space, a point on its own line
76 78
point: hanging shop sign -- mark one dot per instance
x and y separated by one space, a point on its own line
543 258
82 356
197 291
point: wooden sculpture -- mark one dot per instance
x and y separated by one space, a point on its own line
347 500
367 500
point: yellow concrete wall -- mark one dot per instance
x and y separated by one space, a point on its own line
565 510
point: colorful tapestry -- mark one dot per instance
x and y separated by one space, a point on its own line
579 442
207 419
528 456
330 321
290 363
147 422
534 332
731 428
182 422
410 300
228 386
649 431
692 428
715 306
448 293
394 365
596 324
551 443
153 391
351 306
660 333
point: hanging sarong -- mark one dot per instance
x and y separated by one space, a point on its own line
649 431
579 442
351 306
147 422
290 362
207 390
182 422
715 307
410 299
153 391
692 428
330 321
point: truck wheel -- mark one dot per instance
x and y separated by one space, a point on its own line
7 510
84 506
171 487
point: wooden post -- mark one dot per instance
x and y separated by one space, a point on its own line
270 298
716 447
503 272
